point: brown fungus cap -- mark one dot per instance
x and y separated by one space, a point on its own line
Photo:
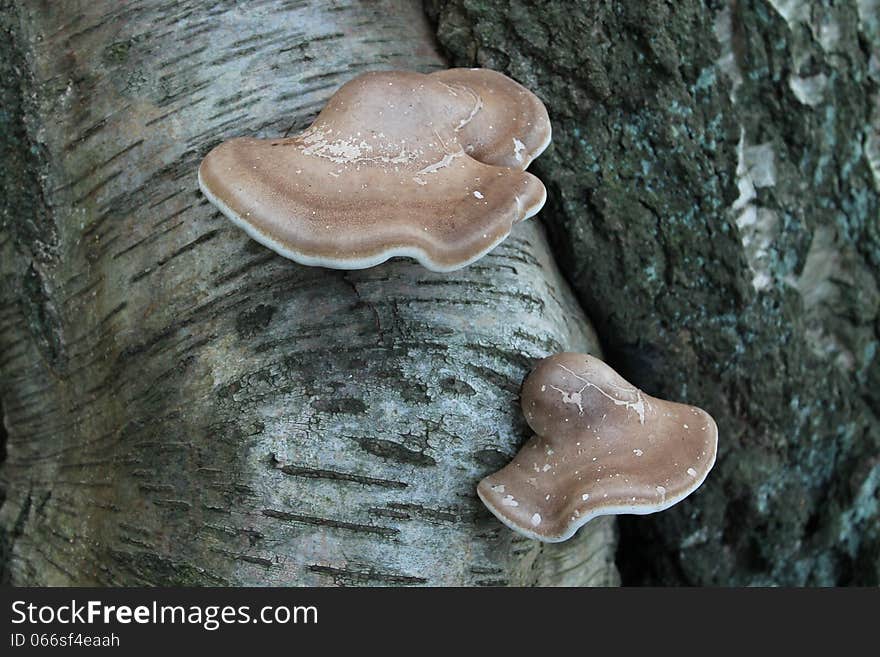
396 164
511 126
602 447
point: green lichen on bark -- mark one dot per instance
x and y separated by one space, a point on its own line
712 203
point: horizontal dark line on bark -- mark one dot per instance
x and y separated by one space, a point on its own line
92 129
245 104
428 513
515 255
189 54
88 464
152 237
216 132
394 451
180 108
74 484
92 171
134 528
25 399
485 570
599 550
197 29
173 504
313 473
323 76
245 268
52 562
299 93
239 96
326 522
156 488
183 93
83 291
255 560
128 540
211 234
167 197
388 513
96 334
95 225
363 576
105 245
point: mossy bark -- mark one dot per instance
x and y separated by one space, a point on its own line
181 405
714 203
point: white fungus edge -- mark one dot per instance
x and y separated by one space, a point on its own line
415 253
634 509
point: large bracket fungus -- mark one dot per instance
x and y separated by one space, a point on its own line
602 447
396 164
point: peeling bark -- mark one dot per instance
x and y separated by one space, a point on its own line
184 406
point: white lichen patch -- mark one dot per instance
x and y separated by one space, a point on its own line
758 226
827 32
809 91
758 163
508 500
793 11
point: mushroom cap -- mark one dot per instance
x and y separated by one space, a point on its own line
602 447
383 171
512 127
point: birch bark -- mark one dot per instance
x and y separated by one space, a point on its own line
181 405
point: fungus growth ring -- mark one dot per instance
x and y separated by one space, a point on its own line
396 164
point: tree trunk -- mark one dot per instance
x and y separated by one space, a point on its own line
183 406
714 202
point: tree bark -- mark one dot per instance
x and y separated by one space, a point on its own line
181 405
714 202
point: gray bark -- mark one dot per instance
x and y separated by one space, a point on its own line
182 406
714 202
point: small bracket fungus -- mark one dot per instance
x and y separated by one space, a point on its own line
396 164
602 447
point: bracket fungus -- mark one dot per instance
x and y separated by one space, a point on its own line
396 164
602 447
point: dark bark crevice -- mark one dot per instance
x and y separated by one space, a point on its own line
713 205
24 213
